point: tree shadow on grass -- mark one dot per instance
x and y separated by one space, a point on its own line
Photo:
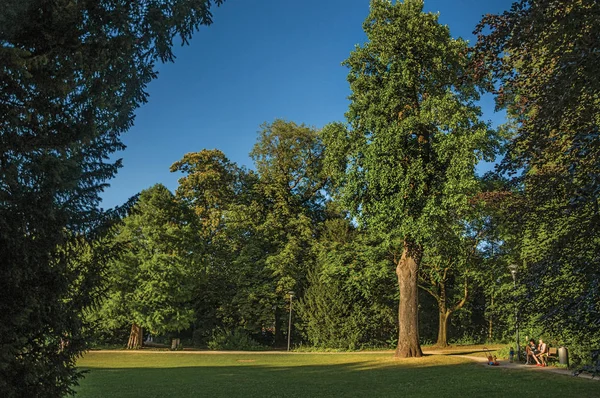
404 378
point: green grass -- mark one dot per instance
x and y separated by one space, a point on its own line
166 374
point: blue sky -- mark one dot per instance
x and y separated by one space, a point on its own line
260 60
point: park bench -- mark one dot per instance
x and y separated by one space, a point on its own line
550 354
594 368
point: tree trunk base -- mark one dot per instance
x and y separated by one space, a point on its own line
135 337
408 308
408 353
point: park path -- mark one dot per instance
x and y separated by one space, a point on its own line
506 364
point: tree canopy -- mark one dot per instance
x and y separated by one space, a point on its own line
354 217
150 283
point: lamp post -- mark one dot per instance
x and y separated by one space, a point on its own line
513 270
291 293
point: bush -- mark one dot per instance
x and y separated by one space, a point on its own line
238 339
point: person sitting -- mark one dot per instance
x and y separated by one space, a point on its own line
531 351
541 354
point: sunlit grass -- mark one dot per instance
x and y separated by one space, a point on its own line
142 374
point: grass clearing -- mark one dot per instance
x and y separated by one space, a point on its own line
164 374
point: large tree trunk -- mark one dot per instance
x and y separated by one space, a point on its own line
408 307
135 337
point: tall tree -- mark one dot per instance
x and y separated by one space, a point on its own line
408 158
73 73
444 274
150 284
211 183
544 57
214 187
289 162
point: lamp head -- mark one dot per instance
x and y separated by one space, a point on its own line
513 270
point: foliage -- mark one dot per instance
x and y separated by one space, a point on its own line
283 218
211 184
544 59
214 187
150 284
238 339
447 269
288 160
73 72
349 300
256 228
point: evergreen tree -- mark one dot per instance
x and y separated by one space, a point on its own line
73 73
349 301
151 282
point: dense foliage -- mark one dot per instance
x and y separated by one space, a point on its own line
350 297
543 57
150 283
73 73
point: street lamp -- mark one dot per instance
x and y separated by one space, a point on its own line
513 270
291 293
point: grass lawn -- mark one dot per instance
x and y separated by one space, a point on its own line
167 374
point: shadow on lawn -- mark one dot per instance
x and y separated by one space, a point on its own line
476 352
407 378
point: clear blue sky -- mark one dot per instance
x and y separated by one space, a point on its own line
260 60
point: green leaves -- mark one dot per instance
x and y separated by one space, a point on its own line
414 134
544 58
152 282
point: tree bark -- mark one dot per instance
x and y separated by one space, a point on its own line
442 340
135 337
445 312
408 307
444 315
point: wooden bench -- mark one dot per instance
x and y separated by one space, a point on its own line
551 354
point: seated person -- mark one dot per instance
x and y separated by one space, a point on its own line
531 351
541 354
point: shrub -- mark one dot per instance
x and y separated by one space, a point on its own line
238 339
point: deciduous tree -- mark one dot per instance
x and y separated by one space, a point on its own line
544 58
414 138
289 161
